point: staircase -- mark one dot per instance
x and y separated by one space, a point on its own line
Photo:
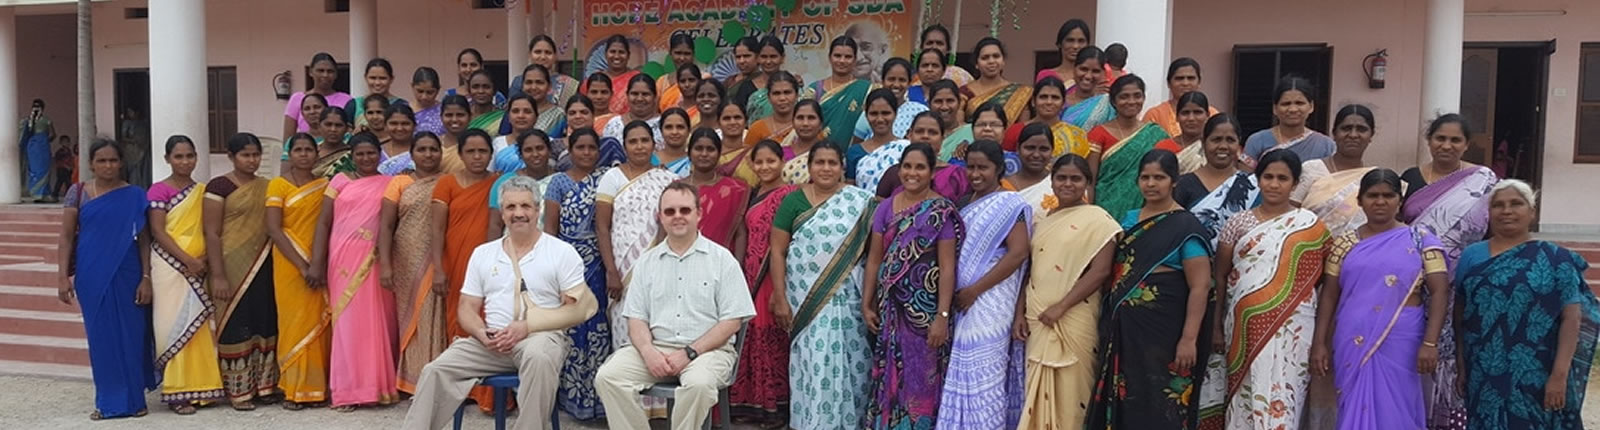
1591 253
39 335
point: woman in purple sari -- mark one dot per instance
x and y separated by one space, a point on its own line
1372 334
983 388
1450 197
915 236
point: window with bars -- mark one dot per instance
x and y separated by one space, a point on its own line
1256 71
222 105
1586 144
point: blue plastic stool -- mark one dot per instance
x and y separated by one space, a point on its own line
504 384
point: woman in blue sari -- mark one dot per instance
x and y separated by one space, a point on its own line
1087 102
1525 322
110 278
37 133
569 215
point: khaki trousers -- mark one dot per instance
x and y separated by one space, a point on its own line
622 377
446 380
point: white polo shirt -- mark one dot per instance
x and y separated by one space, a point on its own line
552 268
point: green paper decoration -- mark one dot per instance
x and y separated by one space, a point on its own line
785 6
732 31
760 17
653 69
705 50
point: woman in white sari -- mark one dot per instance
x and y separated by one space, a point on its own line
1329 186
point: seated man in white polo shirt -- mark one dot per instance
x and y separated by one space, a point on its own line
521 331
685 300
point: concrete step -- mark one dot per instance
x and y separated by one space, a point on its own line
54 370
33 237
43 251
44 349
41 323
37 298
51 226
33 273
31 213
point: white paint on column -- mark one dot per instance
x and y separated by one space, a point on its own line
1149 46
363 42
516 38
1441 63
178 103
10 164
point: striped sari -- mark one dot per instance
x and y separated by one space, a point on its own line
248 337
1090 113
1118 187
1262 377
361 371
302 311
419 312
829 351
1011 97
186 348
489 122
983 386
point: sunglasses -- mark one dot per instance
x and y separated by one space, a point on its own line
683 210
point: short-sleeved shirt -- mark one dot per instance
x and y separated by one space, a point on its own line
682 296
1432 258
1193 247
552 268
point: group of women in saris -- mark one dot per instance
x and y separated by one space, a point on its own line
901 241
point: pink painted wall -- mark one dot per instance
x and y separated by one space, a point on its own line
264 38
47 67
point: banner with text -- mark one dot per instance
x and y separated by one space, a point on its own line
881 28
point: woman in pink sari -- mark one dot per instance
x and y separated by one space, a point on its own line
1372 333
362 369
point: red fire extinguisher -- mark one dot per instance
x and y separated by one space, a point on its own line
1376 66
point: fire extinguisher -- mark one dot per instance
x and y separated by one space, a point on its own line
1376 66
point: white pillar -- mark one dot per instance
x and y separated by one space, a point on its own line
178 103
1145 27
1441 63
10 178
363 42
516 38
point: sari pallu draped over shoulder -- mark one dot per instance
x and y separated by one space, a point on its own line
1333 199
106 274
419 313
1376 335
591 340
362 368
1235 195
633 229
1090 112
248 334
983 385
1268 324
1013 98
186 349
1117 189
302 311
763 379
1061 357
1455 208
830 353
1141 323
841 106
1510 327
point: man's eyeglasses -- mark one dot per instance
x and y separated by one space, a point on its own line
682 210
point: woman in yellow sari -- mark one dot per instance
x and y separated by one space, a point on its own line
992 86
186 349
294 200
1059 311
405 266
235 231
736 159
1049 96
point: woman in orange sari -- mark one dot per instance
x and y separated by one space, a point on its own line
1183 77
405 230
677 92
294 201
461 208
235 229
722 198
783 90
618 51
361 369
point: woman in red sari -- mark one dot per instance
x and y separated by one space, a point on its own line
762 386
722 198
618 53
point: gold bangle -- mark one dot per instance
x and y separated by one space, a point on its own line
1430 344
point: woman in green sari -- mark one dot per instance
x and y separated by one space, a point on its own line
1118 145
486 115
818 238
843 95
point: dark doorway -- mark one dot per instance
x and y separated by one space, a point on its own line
132 102
1257 69
1503 98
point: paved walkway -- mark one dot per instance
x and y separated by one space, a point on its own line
46 403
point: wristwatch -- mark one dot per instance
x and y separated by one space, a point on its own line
689 350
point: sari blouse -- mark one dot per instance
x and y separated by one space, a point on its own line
1117 189
722 204
841 106
1311 146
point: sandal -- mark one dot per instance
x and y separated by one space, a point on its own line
181 408
244 406
345 408
293 406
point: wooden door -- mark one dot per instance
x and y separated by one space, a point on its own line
1479 74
